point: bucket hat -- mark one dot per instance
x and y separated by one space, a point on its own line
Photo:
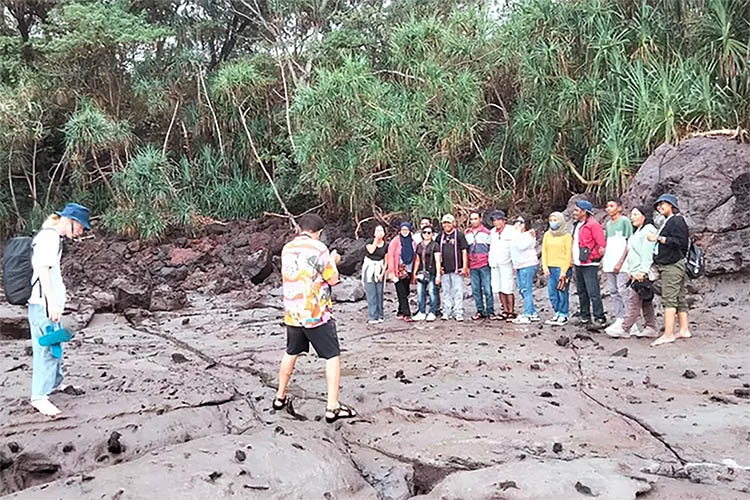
78 213
449 218
669 198
498 215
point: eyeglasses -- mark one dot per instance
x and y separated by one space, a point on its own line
519 221
426 232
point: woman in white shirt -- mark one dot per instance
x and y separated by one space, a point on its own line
47 301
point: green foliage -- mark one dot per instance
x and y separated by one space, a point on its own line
414 106
146 196
90 129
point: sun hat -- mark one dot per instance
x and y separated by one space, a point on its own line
586 206
449 218
669 198
78 213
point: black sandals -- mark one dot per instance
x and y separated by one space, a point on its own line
342 411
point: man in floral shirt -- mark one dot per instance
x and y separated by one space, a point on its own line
308 270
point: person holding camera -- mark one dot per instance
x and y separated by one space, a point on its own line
426 274
308 271
588 249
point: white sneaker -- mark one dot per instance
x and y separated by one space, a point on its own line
459 318
45 407
373 322
521 320
647 332
446 318
431 317
418 317
615 330
535 318
553 321
635 331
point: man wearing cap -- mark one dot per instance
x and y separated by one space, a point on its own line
478 239
455 266
588 248
501 266
672 243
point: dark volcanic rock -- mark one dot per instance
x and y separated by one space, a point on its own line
689 374
711 178
348 290
167 298
352 254
113 443
129 294
14 323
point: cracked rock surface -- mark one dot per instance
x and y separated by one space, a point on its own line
478 410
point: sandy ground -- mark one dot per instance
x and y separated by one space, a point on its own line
177 405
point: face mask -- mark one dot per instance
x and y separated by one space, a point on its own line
554 225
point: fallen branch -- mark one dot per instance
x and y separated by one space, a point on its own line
739 134
288 215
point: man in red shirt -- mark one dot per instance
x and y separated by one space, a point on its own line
588 249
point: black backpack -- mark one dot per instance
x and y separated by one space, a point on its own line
17 270
696 260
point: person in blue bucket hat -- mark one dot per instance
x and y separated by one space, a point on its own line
47 300
672 242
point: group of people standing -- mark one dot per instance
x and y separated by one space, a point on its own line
631 252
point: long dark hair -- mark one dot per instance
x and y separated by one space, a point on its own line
648 213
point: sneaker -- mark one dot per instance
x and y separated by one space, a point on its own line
561 321
552 321
373 322
534 318
615 330
459 318
635 331
419 317
381 320
597 324
446 318
647 332
521 320
584 322
431 317
45 407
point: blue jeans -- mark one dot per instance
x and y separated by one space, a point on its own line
481 289
525 277
46 373
423 289
559 299
374 293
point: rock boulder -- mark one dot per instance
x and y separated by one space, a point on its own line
711 178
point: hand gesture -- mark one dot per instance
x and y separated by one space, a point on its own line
651 237
336 257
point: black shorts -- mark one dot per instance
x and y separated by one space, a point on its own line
323 338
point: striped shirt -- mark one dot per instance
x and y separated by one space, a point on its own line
479 246
307 271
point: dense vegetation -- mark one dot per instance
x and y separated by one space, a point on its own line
158 113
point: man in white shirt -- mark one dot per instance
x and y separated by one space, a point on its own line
501 238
